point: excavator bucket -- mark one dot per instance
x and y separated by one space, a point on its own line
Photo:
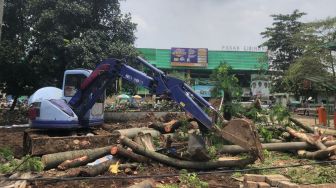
243 133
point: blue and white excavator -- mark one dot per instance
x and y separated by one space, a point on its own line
81 102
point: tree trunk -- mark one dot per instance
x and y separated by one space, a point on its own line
184 164
169 127
122 152
14 103
285 146
133 132
74 163
301 125
97 169
320 154
128 165
305 137
52 160
1 15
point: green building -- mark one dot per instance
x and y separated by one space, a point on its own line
244 63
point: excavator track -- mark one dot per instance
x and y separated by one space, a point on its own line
40 142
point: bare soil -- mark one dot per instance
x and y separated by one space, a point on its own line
13 139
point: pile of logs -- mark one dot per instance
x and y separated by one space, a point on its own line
135 146
311 143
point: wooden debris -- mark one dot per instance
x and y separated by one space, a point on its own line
306 138
285 146
184 164
301 125
53 160
74 163
320 154
133 132
145 140
91 170
168 127
122 152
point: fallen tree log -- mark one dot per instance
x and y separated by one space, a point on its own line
184 164
90 170
133 132
168 127
306 138
74 163
122 152
301 125
320 154
128 165
145 140
53 160
285 146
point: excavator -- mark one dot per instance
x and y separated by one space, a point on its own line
80 105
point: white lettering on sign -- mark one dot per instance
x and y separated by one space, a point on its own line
135 80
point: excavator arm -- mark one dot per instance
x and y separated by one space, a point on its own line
241 132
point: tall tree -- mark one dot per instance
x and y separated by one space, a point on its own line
316 60
77 34
15 68
281 43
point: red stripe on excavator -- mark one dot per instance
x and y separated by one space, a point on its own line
94 75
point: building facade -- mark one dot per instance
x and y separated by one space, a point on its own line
195 65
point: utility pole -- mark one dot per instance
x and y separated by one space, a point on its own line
1 14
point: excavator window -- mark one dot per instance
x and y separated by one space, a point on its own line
72 84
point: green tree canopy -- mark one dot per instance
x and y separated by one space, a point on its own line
41 39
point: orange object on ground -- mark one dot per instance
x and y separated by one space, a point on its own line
322 115
335 119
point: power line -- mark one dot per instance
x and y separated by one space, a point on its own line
57 179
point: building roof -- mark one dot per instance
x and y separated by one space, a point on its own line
327 83
238 60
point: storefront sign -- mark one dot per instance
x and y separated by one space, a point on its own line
189 57
203 90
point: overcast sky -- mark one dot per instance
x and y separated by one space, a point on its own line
213 23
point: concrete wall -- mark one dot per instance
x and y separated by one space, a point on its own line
131 116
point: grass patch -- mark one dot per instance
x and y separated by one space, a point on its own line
26 163
307 174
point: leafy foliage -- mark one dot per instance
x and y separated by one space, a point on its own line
280 43
191 180
280 114
41 39
26 163
6 153
225 81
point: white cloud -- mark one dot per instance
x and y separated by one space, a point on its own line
213 23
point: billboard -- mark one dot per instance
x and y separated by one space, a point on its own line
203 90
260 85
189 57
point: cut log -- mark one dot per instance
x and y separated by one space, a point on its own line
133 132
128 165
306 138
53 160
168 127
95 170
74 163
285 146
122 152
147 141
184 164
149 183
320 154
301 125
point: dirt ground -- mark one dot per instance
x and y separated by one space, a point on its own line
13 138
